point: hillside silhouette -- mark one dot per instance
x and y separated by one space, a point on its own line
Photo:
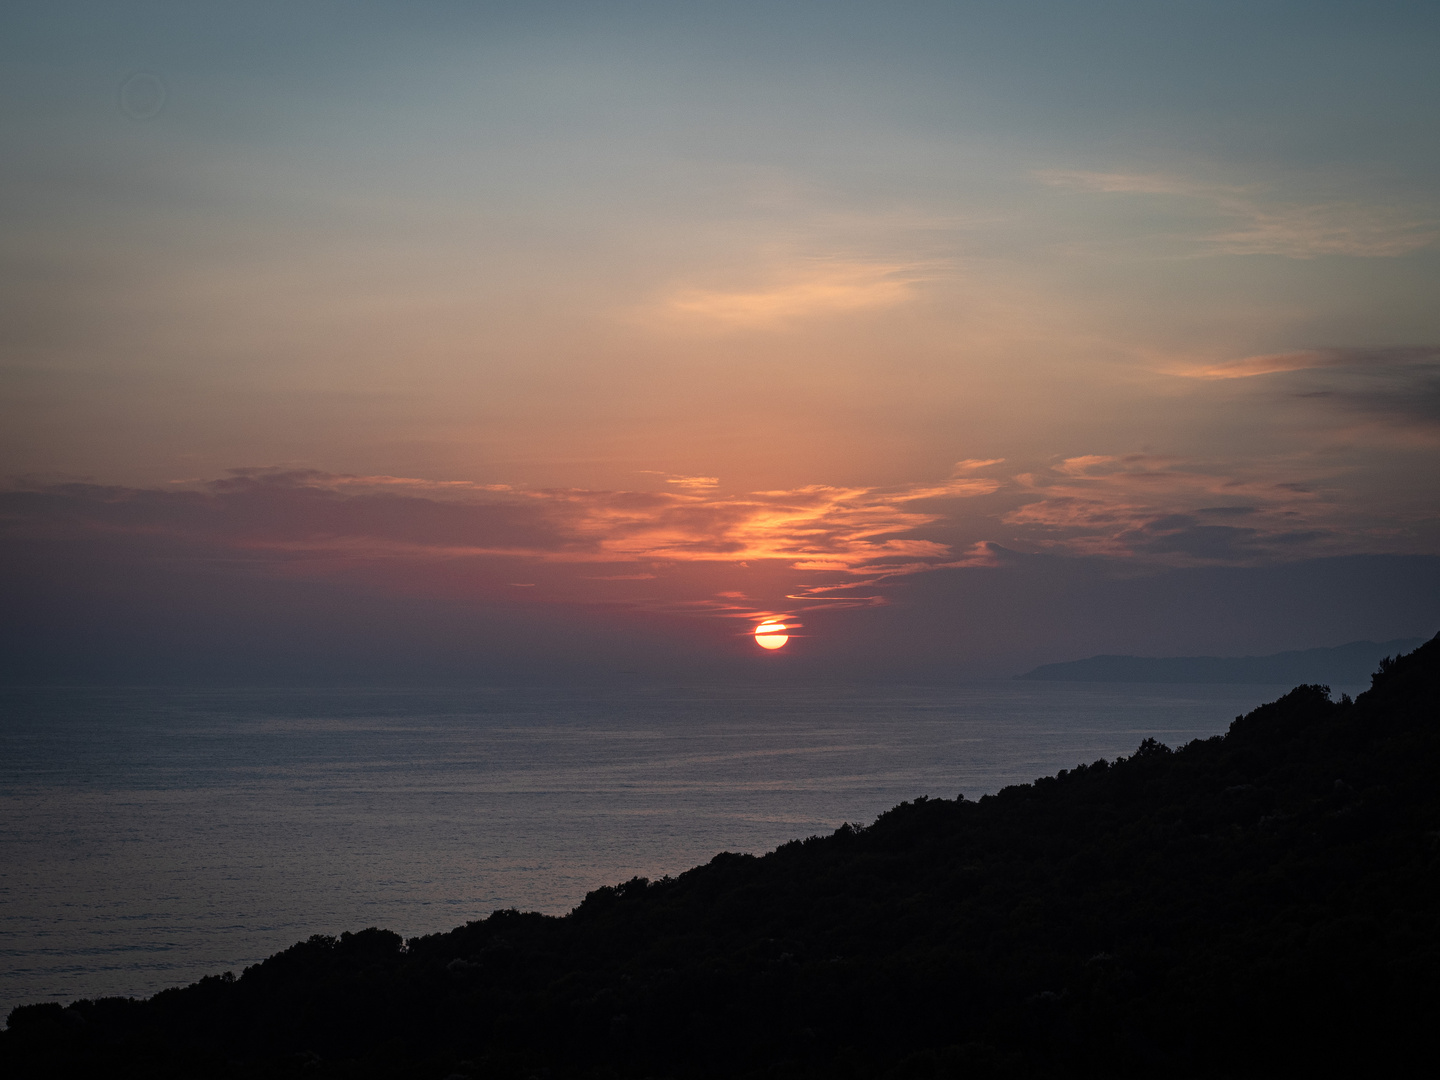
1261 903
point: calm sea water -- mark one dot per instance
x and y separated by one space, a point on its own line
149 837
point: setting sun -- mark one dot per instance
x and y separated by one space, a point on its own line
770 636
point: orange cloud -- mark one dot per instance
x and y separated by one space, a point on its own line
1384 361
670 549
819 287
696 483
971 464
1079 466
1268 364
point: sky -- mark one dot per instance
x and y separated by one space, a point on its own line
447 341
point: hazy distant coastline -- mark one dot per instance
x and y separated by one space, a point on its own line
1341 665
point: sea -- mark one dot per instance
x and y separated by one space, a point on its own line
149 837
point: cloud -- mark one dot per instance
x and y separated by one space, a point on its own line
1386 393
971 464
1079 466
1392 358
676 546
803 290
689 549
1251 366
1251 221
273 565
694 483
1178 512
981 553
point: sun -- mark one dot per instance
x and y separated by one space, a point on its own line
770 635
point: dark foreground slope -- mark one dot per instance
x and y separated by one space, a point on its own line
1262 904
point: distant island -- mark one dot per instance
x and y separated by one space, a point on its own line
1343 665
1257 904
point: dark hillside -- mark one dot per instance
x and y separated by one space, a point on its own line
1264 903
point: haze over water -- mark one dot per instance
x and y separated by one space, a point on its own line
151 837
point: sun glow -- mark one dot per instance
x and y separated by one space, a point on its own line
770 635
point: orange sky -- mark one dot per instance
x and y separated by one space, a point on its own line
720 320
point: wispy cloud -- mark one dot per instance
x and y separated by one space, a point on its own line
1250 366
689 548
974 464
804 289
690 483
1379 395
1373 359
551 542
694 483
1183 512
1249 220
